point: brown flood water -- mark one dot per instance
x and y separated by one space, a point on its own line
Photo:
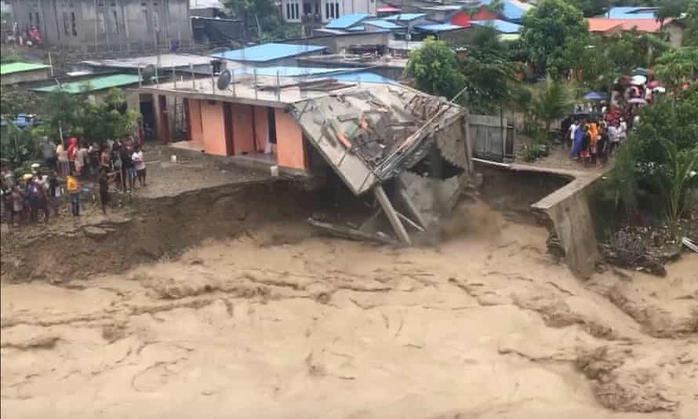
486 325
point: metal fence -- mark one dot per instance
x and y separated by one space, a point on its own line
492 138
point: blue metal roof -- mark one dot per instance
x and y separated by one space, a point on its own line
631 12
359 28
291 71
343 74
501 26
363 76
512 12
438 27
406 17
268 52
383 24
346 21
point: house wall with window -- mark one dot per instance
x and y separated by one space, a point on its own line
106 25
304 11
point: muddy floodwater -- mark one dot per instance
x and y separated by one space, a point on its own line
279 323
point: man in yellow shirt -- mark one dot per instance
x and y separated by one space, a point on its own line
73 187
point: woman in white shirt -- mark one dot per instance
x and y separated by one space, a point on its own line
139 161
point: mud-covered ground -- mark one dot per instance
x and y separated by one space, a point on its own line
280 323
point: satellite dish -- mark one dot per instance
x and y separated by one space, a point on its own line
224 79
148 73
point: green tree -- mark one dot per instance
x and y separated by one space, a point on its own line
670 9
548 30
489 75
661 155
551 104
677 66
435 69
14 100
107 119
691 34
263 14
591 7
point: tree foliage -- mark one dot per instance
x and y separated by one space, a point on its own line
489 75
691 34
435 69
14 100
261 14
552 103
591 7
548 30
661 155
677 66
670 9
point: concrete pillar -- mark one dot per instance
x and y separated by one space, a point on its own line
392 215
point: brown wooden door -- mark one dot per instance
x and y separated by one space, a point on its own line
229 138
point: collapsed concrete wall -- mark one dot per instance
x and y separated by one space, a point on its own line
570 223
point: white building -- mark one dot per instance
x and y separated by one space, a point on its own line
323 11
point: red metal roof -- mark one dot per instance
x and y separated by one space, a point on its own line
602 25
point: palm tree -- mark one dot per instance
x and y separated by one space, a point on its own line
551 104
674 179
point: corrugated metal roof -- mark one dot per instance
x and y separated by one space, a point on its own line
438 27
346 21
359 28
631 12
268 52
93 84
513 10
383 24
599 24
406 17
291 71
499 25
20 67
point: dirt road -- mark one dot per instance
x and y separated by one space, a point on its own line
277 324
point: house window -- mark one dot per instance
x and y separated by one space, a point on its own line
288 11
31 18
73 24
100 20
38 23
327 11
156 21
148 23
115 17
66 26
298 11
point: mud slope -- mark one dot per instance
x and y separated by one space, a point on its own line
483 326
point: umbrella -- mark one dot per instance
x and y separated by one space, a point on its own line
638 101
639 72
653 84
638 80
594 96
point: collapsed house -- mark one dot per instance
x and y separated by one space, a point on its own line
401 145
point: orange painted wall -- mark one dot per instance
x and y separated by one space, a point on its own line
197 130
213 127
243 134
289 142
261 127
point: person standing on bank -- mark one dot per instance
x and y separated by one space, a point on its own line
139 161
73 188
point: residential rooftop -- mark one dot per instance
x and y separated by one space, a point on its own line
501 26
631 12
168 61
346 21
21 67
268 52
406 17
438 27
92 84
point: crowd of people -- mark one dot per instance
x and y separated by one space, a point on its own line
32 197
596 131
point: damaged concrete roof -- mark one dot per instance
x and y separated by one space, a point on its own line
369 135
